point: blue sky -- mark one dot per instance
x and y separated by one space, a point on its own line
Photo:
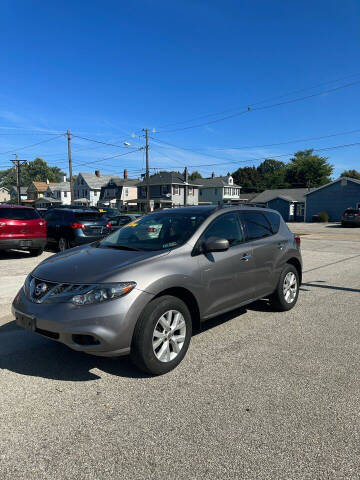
107 69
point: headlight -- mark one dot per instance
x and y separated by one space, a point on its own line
102 293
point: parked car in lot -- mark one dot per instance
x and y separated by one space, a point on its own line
22 228
70 227
145 287
351 217
109 212
121 220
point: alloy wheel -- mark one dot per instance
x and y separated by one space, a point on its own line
290 287
169 336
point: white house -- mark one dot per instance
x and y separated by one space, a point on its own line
60 191
218 190
87 187
4 195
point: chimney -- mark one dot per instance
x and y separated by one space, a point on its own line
97 173
213 175
125 174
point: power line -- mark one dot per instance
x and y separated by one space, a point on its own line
272 156
261 101
98 141
107 158
33 144
265 107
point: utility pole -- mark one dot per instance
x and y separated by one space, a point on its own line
18 163
186 179
70 166
147 177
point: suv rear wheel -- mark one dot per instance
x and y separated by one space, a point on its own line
162 335
286 294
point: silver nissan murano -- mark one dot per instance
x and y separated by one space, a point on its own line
143 289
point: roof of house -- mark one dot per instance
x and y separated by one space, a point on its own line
355 180
23 190
127 182
4 188
166 178
95 182
288 194
248 196
215 182
61 186
41 186
47 200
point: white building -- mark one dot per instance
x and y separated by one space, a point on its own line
218 190
60 191
87 187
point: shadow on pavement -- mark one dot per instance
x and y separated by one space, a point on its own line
30 354
27 353
14 254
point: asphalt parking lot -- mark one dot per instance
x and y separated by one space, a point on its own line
260 395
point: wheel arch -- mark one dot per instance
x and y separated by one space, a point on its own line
189 299
297 264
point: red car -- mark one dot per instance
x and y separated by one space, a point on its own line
22 228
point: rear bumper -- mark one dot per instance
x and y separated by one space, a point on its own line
110 324
17 243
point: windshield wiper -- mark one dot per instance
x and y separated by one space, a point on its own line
118 247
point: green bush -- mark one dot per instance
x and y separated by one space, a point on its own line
323 217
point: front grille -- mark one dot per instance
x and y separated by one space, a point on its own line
41 291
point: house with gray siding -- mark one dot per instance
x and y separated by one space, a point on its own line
333 198
87 187
167 189
218 190
289 202
119 192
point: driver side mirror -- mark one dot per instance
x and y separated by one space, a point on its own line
215 245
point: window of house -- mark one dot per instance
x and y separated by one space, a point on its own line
256 225
126 192
226 226
190 190
164 189
65 194
176 190
215 191
200 192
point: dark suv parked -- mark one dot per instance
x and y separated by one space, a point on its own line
143 288
70 227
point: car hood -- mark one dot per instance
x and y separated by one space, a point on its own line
90 264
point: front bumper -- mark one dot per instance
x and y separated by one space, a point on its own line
18 243
110 324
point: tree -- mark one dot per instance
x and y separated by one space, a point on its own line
194 175
306 169
36 171
351 174
272 173
248 178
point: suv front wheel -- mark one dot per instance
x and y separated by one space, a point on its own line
286 294
162 335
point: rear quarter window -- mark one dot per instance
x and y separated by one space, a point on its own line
274 220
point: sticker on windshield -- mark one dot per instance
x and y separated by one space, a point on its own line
169 245
131 224
153 231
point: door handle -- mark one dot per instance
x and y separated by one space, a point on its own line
246 257
281 245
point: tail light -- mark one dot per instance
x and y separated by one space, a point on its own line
108 225
297 240
76 225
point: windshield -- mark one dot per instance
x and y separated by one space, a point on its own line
156 231
19 213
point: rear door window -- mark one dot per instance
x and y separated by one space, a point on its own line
274 220
19 213
256 225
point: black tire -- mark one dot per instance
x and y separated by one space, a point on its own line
62 244
35 252
277 299
142 353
